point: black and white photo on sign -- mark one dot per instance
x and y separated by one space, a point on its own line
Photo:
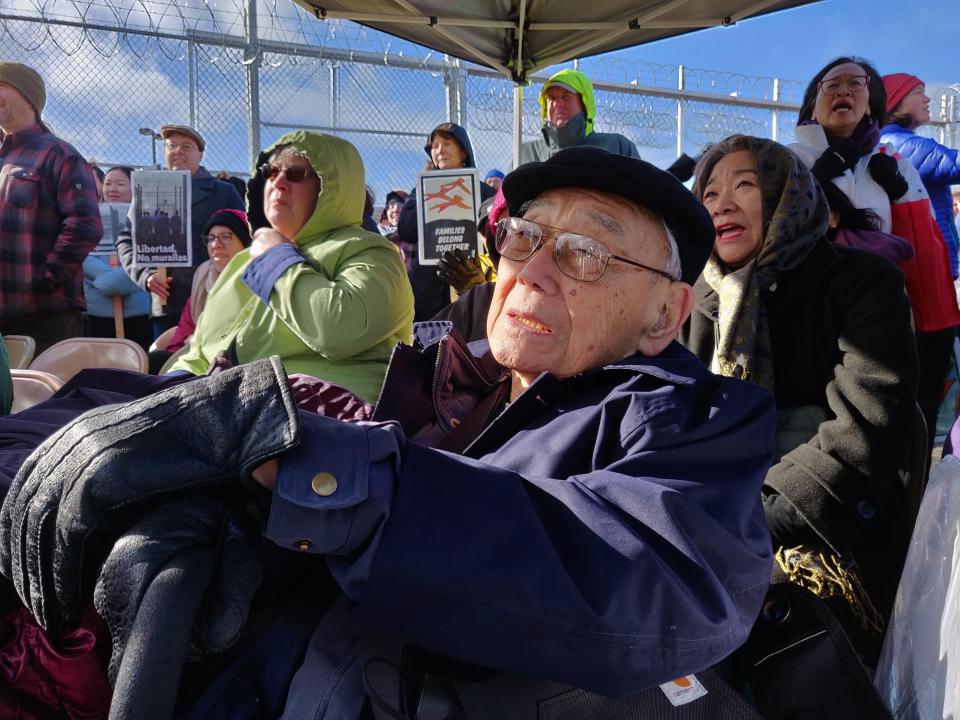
448 204
113 216
160 219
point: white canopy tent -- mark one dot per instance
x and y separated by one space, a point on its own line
519 37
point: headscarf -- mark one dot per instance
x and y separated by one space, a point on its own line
795 217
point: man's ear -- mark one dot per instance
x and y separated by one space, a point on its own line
673 314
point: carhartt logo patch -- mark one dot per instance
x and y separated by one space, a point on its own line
683 690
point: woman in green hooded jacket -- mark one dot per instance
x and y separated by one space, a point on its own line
330 298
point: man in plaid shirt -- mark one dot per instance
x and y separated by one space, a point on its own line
49 217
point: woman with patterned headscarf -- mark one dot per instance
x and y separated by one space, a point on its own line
826 328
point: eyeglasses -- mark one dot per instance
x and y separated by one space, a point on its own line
577 256
185 146
294 173
222 239
855 83
394 204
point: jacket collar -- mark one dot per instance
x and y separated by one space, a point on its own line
675 366
18 138
570 135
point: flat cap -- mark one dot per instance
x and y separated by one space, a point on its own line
592 168
166 130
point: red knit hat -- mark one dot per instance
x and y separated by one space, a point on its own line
898 86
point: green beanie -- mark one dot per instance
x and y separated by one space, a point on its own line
27 82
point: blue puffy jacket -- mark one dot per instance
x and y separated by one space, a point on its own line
939 168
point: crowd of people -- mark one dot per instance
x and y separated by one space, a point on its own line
580 469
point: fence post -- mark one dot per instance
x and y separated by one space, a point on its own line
192 81
251 61
453 85
335 95
775 114
680 86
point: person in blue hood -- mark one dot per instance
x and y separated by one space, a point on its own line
568 111
448 146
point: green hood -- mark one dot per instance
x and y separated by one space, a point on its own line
343 194
579 82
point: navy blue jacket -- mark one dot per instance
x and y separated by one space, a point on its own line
604 531
939 168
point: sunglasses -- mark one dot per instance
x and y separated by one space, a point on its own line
294 174
577 256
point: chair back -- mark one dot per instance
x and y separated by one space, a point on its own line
20 350
163 339
31 387
68 357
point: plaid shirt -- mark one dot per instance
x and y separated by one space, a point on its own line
49 222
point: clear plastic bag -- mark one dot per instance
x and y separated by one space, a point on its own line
919 670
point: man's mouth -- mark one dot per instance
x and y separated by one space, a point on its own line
729 231
529 323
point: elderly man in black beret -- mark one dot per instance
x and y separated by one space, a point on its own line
566 514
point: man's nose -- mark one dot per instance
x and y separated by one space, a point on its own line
540 271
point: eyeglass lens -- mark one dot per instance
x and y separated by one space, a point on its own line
855 84
222 239
577 256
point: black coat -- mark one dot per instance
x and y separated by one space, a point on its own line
842 340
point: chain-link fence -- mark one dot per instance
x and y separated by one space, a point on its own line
245 71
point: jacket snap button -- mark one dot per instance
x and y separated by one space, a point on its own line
866 510
303 545
776 611
324 484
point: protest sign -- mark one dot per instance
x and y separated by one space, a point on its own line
448 203
113 216
161 219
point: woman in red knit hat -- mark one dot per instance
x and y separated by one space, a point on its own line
908 108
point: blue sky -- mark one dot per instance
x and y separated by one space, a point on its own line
920 37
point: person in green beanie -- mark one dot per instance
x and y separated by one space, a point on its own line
49 217
568 112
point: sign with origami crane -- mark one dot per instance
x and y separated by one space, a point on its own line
448 204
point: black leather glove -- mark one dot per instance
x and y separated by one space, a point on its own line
836 159
231 528
886 172
461 270
102 473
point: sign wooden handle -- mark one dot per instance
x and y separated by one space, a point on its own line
118 316
162 278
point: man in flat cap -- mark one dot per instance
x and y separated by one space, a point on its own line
568 112
183 149
564 515
49 217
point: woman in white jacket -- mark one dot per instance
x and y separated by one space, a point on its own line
838 137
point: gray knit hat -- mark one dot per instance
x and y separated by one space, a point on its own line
27 82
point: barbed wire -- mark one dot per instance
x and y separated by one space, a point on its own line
116 67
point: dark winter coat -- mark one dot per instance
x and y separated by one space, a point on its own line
841 341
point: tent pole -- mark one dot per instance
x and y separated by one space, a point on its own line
517 121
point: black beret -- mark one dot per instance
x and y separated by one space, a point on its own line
635 180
